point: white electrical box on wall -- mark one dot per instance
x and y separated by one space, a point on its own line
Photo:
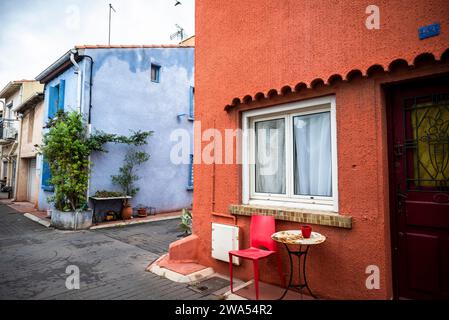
224 239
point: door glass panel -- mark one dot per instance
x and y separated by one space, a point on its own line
428 141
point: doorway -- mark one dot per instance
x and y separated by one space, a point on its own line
31 185
418 131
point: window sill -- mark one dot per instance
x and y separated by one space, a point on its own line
294 215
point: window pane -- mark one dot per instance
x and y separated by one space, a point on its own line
155 73
270 156
312 155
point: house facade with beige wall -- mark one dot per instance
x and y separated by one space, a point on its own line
14 94
29 135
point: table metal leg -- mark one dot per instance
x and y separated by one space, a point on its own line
289 285
301 284
306 285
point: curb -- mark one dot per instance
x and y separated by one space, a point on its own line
178 277
37 219
128 223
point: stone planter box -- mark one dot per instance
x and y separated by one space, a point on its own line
71 220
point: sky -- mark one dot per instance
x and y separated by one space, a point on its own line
34 33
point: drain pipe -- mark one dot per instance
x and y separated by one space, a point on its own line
89 112
80 75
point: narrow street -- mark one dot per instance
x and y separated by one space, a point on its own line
112 262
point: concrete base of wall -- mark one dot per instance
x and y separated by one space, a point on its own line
184 250
179 272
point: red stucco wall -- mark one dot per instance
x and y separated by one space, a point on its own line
246 47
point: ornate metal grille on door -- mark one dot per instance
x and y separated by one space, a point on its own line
427 143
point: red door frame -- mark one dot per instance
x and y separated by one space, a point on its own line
389 91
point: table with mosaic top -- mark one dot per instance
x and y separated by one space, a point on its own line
294 237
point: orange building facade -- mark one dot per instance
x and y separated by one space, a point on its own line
285 59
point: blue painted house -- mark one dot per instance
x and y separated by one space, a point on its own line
124 88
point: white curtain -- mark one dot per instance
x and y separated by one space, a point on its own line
270 156
312 155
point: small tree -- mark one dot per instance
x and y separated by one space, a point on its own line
127 176
66 149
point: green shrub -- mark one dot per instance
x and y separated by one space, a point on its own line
186 222
127 176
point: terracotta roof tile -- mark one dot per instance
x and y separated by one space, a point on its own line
130 46
388 66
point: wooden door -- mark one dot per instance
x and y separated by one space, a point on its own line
419 188
32 192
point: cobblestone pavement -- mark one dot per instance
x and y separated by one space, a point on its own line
112 262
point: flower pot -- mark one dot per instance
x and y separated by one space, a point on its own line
73 220
142 212
127 212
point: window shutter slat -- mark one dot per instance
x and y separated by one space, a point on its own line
192 103
61 94
46 176
190 182
53 101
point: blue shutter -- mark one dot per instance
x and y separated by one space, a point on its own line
61 95
190 182
53 101
46 176
192 103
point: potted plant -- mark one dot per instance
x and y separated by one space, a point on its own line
65 148
186 223
142 210
127 178
107 194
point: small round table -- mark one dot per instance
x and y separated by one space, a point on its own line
294 237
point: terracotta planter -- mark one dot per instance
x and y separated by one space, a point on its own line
127 212
142 212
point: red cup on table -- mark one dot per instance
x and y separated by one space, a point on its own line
306 231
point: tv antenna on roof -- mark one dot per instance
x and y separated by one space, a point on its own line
111 8
178 34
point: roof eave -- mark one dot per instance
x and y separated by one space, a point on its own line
11 87
31 101
57 67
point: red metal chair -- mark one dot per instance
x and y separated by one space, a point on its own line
261 229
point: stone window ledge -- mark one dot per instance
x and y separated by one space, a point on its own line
294 215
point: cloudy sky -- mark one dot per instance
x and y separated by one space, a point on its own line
34 33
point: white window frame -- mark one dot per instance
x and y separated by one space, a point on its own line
288 111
